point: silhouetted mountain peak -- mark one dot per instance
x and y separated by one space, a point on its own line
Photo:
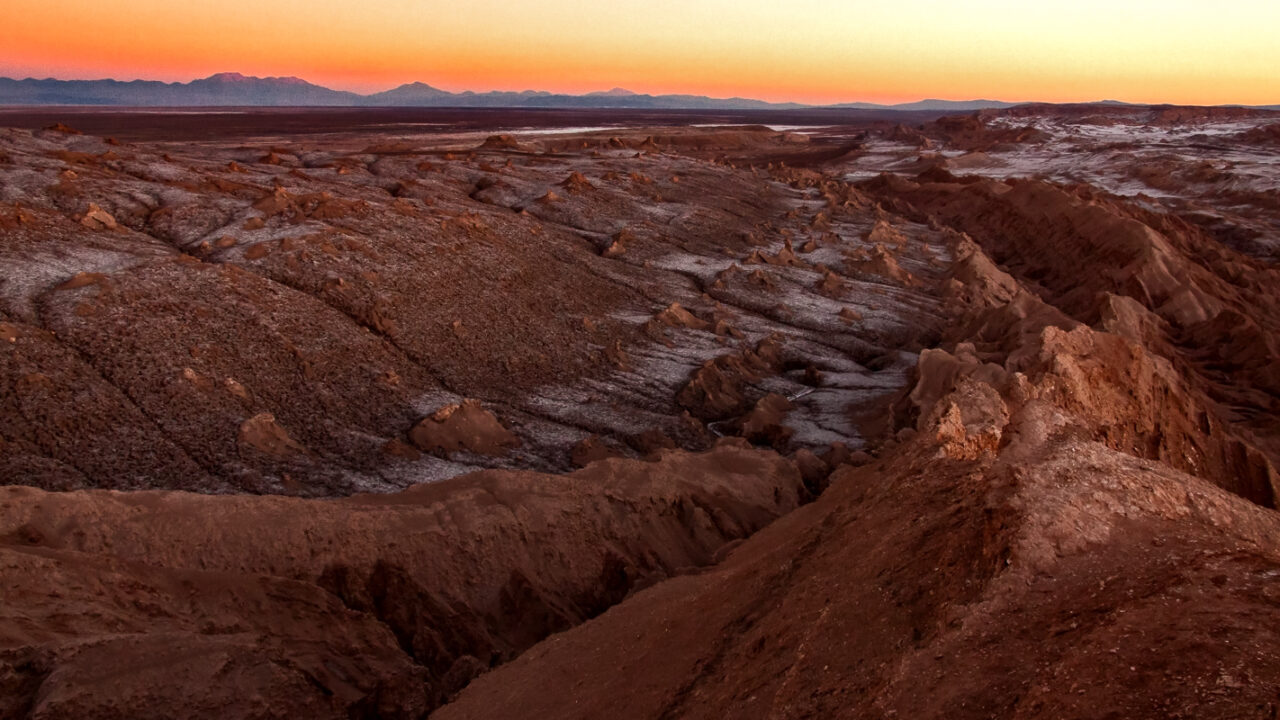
237 78
615 92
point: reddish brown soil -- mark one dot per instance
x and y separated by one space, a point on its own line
353 289
1041 414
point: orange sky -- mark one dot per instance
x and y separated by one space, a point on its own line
1183 51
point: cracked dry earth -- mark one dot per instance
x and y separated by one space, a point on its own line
871 421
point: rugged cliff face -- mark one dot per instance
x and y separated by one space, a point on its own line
1064 525
1072 581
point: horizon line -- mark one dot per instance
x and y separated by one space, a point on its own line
1104 101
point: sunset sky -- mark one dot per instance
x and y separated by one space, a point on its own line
819 51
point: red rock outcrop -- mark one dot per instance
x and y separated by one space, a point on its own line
880 262
1106 262
95 218
262 433
677 317
718 389
974 132
465 426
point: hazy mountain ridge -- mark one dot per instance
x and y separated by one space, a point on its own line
234 89
220 89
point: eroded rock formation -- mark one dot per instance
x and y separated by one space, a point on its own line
1022 435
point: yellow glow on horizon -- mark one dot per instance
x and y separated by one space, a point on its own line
1179 51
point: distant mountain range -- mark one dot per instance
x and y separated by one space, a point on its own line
234 89
222 89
